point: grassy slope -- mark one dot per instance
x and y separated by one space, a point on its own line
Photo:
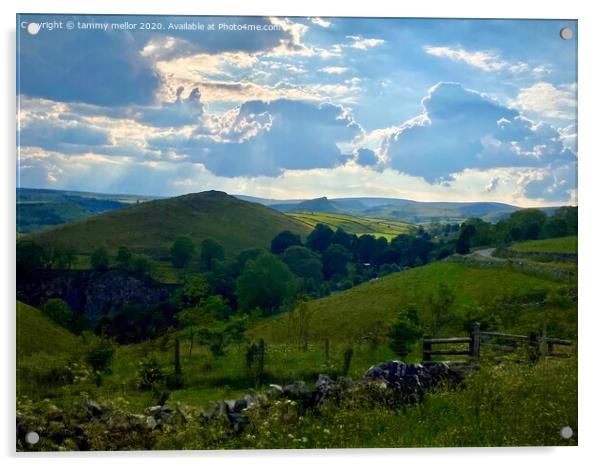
36 333
347 315
351 224
151 227
567 244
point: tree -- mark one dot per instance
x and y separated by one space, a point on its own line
366 246
343 238
438 307
303 262
247 255
405 332
466 233
64 258
217 307
320 238
193 292
59 311
218 336
211 251
29 256
182 251
265 282
284 240
334 261
298 322
483 233
141 265
529 221
99 260
123 258
193 296
100 354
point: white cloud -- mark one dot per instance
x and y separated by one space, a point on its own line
462 130
549 101
334 69
361 43
486 60
321 22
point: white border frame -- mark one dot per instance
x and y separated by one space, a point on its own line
589 194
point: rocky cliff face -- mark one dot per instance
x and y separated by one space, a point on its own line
94 293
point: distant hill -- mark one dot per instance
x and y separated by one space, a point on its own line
357 225
321 204
41 208
151 227
404 210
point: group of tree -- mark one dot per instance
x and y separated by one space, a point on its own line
521 225
32 257
184 252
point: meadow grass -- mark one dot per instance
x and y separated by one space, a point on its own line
566 244
353 314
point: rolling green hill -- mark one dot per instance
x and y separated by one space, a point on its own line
349 315
36 333
356 225
151 227
564 245
41 208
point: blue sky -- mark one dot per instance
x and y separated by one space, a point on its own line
431 109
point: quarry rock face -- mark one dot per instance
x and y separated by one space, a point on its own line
94 293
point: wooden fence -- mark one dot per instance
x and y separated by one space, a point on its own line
538 344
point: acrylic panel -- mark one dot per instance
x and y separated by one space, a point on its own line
295 232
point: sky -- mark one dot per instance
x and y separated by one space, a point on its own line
297 108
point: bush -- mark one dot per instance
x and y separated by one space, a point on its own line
59 311
405 332
99 260
149 374
100 355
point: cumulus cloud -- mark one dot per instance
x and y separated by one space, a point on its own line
321 22
334 69
550 101
116 68
362 43
180 112
62 135
461 129
486 60
266 138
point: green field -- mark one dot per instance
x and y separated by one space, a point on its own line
351 315
566 245
151 227
36 333
355 225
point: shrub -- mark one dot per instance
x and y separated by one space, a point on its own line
149 374
100 355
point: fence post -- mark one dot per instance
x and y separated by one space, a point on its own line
177 365
260 361
475 340
347 361
426 348
544 347
533 347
